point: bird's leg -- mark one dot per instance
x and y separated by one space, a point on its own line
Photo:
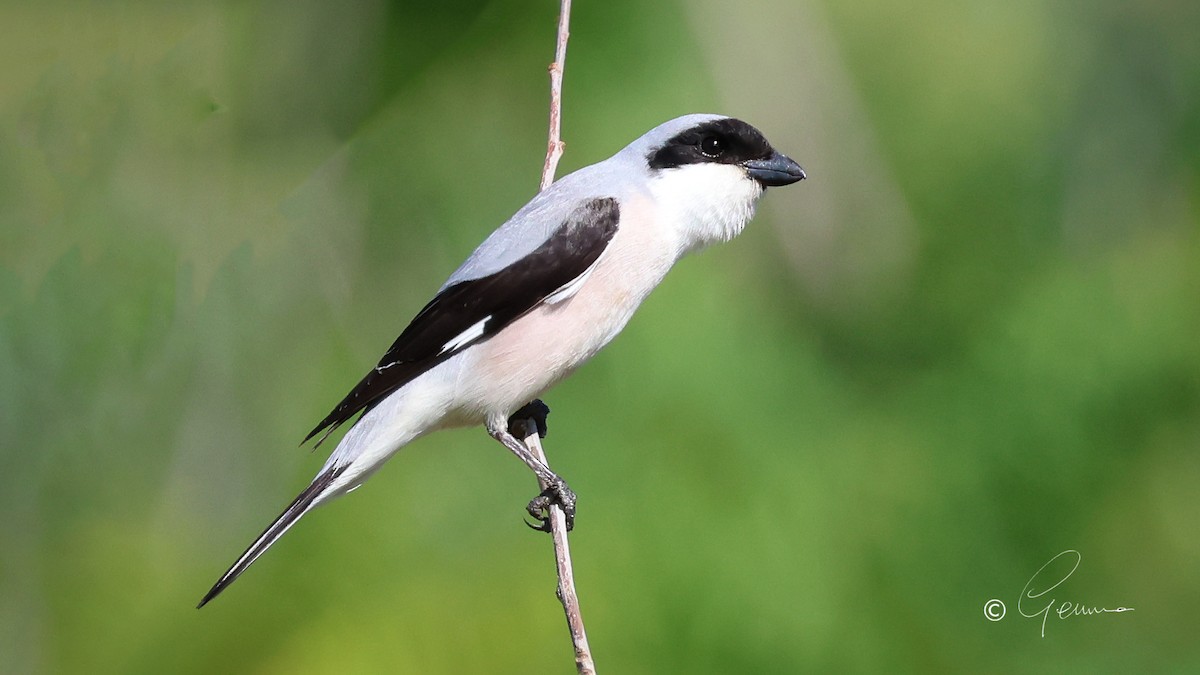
535 411
556 490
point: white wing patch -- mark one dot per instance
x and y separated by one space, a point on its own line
570 288
466 336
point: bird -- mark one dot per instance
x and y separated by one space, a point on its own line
539 297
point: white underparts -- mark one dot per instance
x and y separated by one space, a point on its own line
705 203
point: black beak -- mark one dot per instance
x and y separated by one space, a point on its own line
775 170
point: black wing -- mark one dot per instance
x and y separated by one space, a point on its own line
471 311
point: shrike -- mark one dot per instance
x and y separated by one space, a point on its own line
541 296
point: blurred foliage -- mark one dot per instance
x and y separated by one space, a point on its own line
969 342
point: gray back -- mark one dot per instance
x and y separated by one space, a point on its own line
622 176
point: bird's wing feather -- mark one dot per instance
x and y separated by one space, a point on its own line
471 311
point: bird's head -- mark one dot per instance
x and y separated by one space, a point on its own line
708 171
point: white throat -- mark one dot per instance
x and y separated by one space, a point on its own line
705 204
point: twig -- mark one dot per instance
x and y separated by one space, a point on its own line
558 520
566 577
554 148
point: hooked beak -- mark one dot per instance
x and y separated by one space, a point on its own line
775 170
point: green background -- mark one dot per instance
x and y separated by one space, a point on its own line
968 343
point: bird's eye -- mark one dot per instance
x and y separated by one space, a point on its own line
712 146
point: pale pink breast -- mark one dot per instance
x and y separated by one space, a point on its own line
542 347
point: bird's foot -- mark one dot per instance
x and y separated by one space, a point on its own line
557 493
521 424
535 411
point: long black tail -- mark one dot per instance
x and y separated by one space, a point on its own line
299 506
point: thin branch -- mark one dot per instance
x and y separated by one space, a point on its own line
558 520
566 576
554 149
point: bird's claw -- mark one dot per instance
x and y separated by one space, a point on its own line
543 526
557 493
